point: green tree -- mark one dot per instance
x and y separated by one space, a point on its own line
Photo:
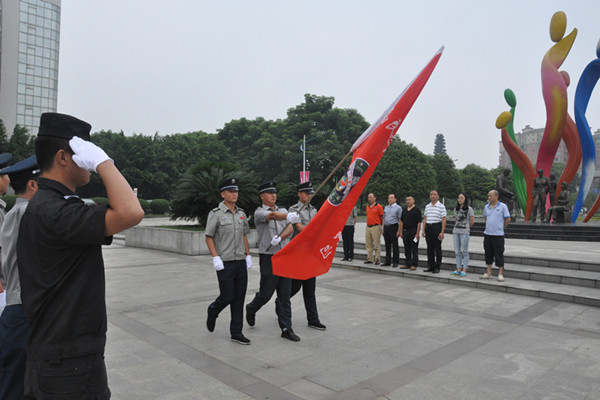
448 180
403 170
21 144
439 146
197 191
4 146
477 181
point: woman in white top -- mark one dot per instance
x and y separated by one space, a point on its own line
464 218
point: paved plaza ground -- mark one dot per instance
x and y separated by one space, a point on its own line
387 338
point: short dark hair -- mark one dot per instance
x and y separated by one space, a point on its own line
19 181
46 148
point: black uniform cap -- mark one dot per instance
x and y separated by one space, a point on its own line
305 187
268 187
4 159
229 184
63 126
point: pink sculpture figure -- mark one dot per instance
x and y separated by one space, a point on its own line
554 90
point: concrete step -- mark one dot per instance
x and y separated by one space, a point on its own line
547 290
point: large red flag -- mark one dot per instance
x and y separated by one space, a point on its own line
311 252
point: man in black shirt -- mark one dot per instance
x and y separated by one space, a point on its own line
60 262
410 226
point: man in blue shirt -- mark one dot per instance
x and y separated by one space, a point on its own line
497 217
391 231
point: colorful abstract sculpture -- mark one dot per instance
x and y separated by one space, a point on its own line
588 80
554 90
519 157
518 178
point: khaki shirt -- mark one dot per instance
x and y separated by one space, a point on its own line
305 215
228 230
267 229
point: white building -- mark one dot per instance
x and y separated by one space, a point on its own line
29 44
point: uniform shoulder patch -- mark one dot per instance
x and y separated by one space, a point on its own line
215 209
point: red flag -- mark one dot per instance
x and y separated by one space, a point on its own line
311 252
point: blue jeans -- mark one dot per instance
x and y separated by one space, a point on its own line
461 249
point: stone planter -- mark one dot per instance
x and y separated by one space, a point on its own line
191 243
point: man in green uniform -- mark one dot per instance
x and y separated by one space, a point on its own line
226 237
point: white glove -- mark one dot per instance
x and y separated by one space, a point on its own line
276 240
218 263
293 218
87 155
248 261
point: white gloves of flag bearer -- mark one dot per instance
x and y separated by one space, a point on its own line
248 261
276 240
293 218
218 263
87 155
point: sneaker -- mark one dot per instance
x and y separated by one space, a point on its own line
250 317
317 325
485 276
463 273
455 272
210 322
500 278
241 339
344 259
290 335
349 259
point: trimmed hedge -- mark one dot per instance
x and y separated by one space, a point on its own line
144 204
159 206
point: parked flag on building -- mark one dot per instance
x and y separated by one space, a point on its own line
311 253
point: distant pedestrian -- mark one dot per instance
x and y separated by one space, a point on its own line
348 235
226 238
464 218
434 222
374 228
497 218
410 226
391 231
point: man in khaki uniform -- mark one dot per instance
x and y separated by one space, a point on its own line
226 237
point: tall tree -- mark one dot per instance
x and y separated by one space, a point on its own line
403 170
4 146
21 143
439 146
448 180
477 181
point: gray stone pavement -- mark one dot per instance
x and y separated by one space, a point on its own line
386 338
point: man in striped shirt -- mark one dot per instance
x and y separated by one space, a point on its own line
434 224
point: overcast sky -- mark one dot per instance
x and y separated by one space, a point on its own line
146 66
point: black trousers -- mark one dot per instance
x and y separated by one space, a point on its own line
270 283
309 287
493 246
233 281
76 378
14 329
434 245
411 249
348 241
391 244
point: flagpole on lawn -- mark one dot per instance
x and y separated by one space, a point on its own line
318 189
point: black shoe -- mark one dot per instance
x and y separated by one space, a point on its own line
386 264
250 317
428 270
317 325
349 259
376 262
436 271
241 339
290 335
344 259
368 262
210 322
395 265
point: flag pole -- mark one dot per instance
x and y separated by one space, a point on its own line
318 189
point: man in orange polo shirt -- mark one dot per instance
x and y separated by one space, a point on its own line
374 227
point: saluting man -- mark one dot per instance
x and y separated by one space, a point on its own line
309 285
226 237
270 220
13 322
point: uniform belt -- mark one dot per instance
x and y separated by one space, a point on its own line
433 223
370 226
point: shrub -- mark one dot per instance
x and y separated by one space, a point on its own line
159 206
144 204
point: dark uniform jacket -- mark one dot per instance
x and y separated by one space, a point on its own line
62 273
